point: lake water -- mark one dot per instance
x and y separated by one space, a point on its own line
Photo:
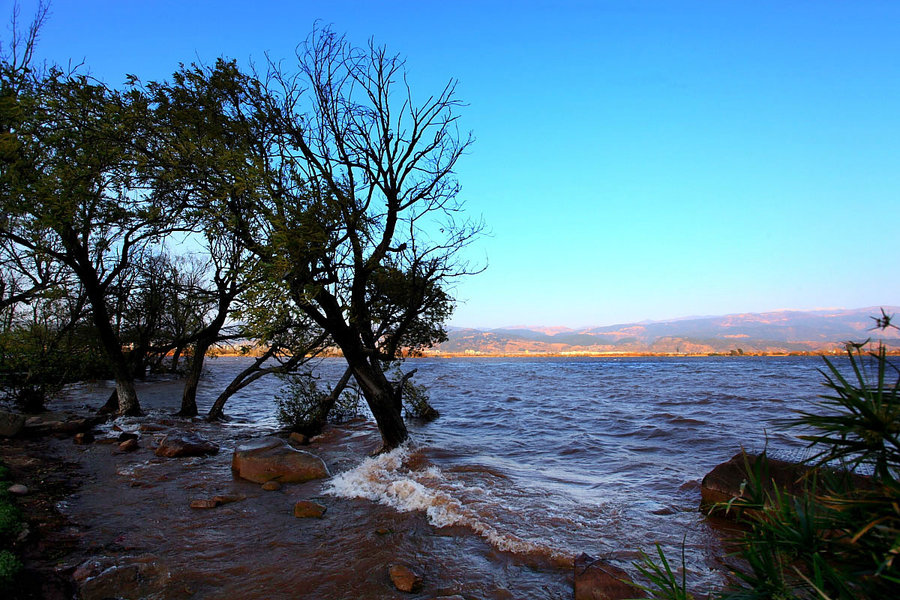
532 462
556 456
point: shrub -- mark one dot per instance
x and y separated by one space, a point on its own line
10 566
303 407
416 402
10 520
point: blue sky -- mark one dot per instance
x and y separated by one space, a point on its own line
634 160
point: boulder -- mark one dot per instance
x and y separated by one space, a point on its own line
176 445
725 481
305 509
18 489
599 580
404 578
271 458
51 423
11 424
128 445
271 486
204 503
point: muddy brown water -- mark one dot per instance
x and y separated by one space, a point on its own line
532 463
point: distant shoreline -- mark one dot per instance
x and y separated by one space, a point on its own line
476 354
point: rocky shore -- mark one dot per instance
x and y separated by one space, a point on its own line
159 507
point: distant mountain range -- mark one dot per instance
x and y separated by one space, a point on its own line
780 332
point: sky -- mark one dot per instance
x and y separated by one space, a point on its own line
633 160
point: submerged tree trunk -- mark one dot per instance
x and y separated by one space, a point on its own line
189 395
128 400
382 400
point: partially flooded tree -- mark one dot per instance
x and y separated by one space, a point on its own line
74 190
366 221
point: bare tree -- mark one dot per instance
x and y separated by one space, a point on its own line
369 225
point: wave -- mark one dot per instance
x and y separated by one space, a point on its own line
392 479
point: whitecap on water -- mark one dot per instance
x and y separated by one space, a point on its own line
388 479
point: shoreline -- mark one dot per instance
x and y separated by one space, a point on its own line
106 521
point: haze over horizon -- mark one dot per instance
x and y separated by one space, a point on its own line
550 326
634 160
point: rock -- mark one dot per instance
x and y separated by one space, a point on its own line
227 499
299 438
404 578
271 486
85 437
203 503
150 427
127 435
305 509
175 445
11 424
599 580
18 489
383 531
724 482
125 577
128 445
51 423
271 458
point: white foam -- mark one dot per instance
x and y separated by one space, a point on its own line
386 479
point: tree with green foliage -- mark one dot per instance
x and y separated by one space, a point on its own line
366 227
342 188
75 190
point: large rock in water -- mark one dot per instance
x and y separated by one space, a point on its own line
599 580
271 458
725 481
186 444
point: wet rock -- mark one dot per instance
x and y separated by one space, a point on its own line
599 580
272 458
725 481
176 445
125 577
11 424
85 437
151 428
404 578
305 509
56 424
383 531
299 438
271 486
204 503
129 445
18 489
228 499
453 597
127 435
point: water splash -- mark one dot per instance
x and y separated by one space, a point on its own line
392 479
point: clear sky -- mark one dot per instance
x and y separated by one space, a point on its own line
634 159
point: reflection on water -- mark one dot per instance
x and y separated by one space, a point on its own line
542 459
